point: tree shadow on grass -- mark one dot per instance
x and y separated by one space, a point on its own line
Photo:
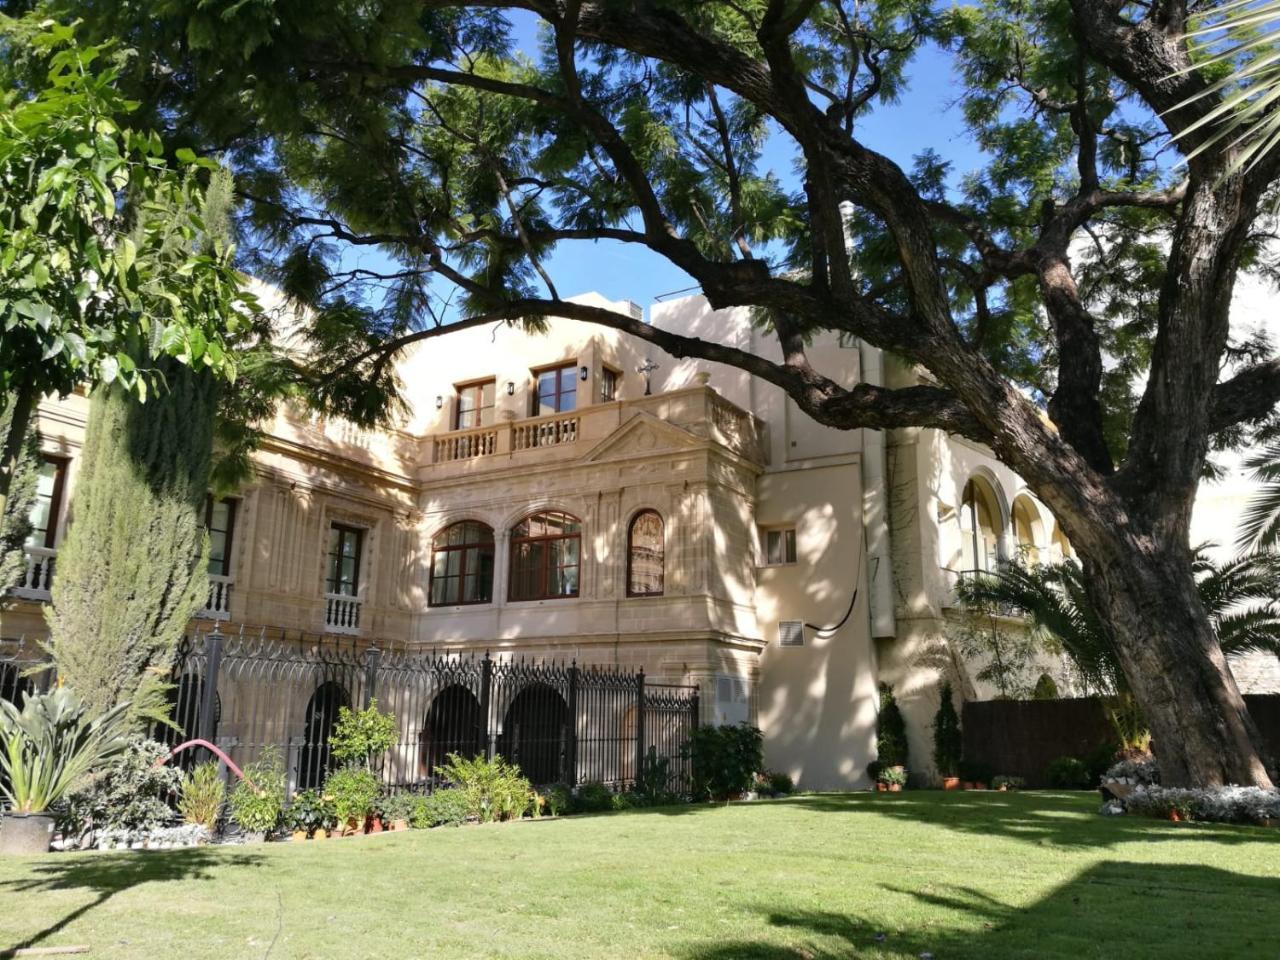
1115 908
1032 817
106 874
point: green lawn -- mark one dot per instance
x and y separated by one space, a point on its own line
955 875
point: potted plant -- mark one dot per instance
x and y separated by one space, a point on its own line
45 748
309 815
894 778
948 743
974 775
1004 783
397 810
354 792
891 737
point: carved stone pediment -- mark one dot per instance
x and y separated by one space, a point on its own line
643 435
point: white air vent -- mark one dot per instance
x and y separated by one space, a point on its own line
790 633
633 308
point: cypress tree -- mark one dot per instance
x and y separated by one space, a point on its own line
15 522
133 568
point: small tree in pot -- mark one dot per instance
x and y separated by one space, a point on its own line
891 736
948 742
45 749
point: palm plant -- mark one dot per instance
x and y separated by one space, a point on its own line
1238 48
1241 596
51 743
1260 525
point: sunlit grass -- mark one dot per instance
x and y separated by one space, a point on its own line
955 875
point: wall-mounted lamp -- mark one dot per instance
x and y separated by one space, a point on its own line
511 388
583 373
439 402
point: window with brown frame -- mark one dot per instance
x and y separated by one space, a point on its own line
645 555
462 565
48 502
608 385
557 390
345 545
473 406
220 521
545 557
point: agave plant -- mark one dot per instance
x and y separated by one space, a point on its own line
1240 46
48 745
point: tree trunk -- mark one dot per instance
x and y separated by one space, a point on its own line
1201 729
14 439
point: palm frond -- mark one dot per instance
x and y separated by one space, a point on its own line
1260 523
1245 119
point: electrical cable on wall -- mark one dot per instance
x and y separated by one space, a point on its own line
853 600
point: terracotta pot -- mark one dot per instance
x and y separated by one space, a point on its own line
23 834
1003 788
895 788
967 785
399 825
298 835
1175 816
882 787
320 834
950 783
353 827
373 825
979 785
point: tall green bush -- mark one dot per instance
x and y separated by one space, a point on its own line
891 731
257 802
15 523
494 789
725 760
133 569
948 741
361 737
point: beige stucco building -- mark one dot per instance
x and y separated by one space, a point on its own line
579 494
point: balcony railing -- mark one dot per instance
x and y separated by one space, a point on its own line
341 613
544 432
466 445
37 578
218 606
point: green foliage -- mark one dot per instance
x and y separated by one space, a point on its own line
948 740
559 799
891 731
1069 773
653 788
93 288
494 789
354 792
132 570
1007 782
781 784
51 743
257 801
893 776
449 807
15 523
1046 688
592 797
125 794
725 760
363 736
1099 760
1003 656
202 796
309 811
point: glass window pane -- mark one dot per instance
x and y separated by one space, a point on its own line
790 538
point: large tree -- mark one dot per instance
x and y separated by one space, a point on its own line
1066 303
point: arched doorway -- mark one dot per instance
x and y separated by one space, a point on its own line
535 733
453 725
315 759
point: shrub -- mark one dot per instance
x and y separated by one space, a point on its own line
400 806
559 799
592 797
310 811
362 736
354 793
725 760
1213 804
494 789
1143 771
948 743
258 800
202 795
1068 773
652 787
125 795
449 806
1099 760
1046 688
891 731
1008 783
781 784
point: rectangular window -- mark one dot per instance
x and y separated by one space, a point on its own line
557 390
779 546
48 502
344 560
608 385
220 521
474 405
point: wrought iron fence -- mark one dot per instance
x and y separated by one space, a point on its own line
560 723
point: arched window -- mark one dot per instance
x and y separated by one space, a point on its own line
979 527
462 564
315 756
645 555
545 557
1026 529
